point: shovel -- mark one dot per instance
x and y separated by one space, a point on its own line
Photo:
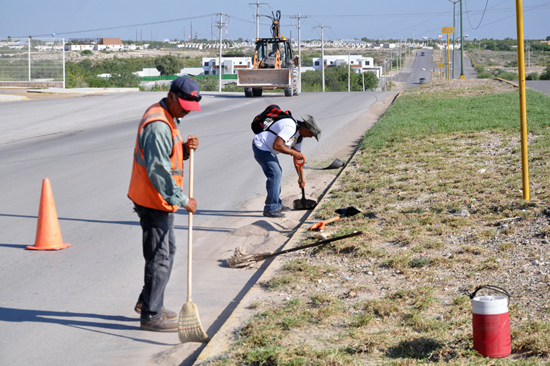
343 212
303 203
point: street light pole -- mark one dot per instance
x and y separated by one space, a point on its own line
461 45
522 100
454 35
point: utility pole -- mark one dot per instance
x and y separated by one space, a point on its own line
454 34
220 26
257 16
461 45
349 71
299 50
322 54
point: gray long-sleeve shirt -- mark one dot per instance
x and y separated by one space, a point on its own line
156 140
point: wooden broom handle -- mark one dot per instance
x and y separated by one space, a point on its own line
190 225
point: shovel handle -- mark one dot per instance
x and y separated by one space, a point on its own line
300 174
321 224
317 243
299 163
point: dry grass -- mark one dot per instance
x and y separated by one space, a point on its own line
442 214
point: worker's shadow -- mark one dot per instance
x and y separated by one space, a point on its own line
104 323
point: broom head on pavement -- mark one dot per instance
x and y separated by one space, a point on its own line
189 325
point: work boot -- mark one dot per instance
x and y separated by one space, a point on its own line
274 214
169 313
284 208
161 324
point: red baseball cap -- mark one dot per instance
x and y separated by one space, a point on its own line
188 92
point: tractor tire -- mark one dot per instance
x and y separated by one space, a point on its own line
257 92
248 92
288 91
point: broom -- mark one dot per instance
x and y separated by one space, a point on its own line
241 259
189 325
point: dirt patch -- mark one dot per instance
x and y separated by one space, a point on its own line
463 87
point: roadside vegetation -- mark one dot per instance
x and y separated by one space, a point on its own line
439 182
500 59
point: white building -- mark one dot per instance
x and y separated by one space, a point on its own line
358 63
230 65
149 71
79 47
194 71
109 44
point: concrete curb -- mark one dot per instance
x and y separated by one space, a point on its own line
62 91
11 98
83 90
507 82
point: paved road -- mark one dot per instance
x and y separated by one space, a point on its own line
421 65
75 306
542 86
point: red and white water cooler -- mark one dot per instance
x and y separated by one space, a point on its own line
491 325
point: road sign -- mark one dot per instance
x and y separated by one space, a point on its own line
447 29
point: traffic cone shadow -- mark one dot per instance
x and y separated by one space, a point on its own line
48 233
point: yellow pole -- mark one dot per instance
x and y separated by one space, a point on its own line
448 59
522 103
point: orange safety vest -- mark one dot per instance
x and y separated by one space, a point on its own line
141 190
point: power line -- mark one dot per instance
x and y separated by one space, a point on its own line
482 15
121 26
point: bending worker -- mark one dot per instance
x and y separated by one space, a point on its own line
284 136
156 188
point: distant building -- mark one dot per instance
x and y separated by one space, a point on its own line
193 71
79 47
358 63
150 71
109 44
210 65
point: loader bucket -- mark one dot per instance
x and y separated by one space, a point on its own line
264 78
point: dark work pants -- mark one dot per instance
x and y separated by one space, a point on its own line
159 248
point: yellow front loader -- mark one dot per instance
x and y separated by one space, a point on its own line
274 65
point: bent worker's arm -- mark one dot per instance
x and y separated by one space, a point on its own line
156 140
280 146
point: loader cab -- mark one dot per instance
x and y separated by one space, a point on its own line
274 53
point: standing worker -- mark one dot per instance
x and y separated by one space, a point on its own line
156 188
283 136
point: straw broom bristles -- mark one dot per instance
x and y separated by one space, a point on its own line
189 325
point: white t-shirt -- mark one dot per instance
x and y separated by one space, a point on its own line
284 128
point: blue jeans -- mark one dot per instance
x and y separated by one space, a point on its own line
159 249
273 172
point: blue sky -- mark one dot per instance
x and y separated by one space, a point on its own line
171 19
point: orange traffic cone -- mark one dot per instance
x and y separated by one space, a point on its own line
48 233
